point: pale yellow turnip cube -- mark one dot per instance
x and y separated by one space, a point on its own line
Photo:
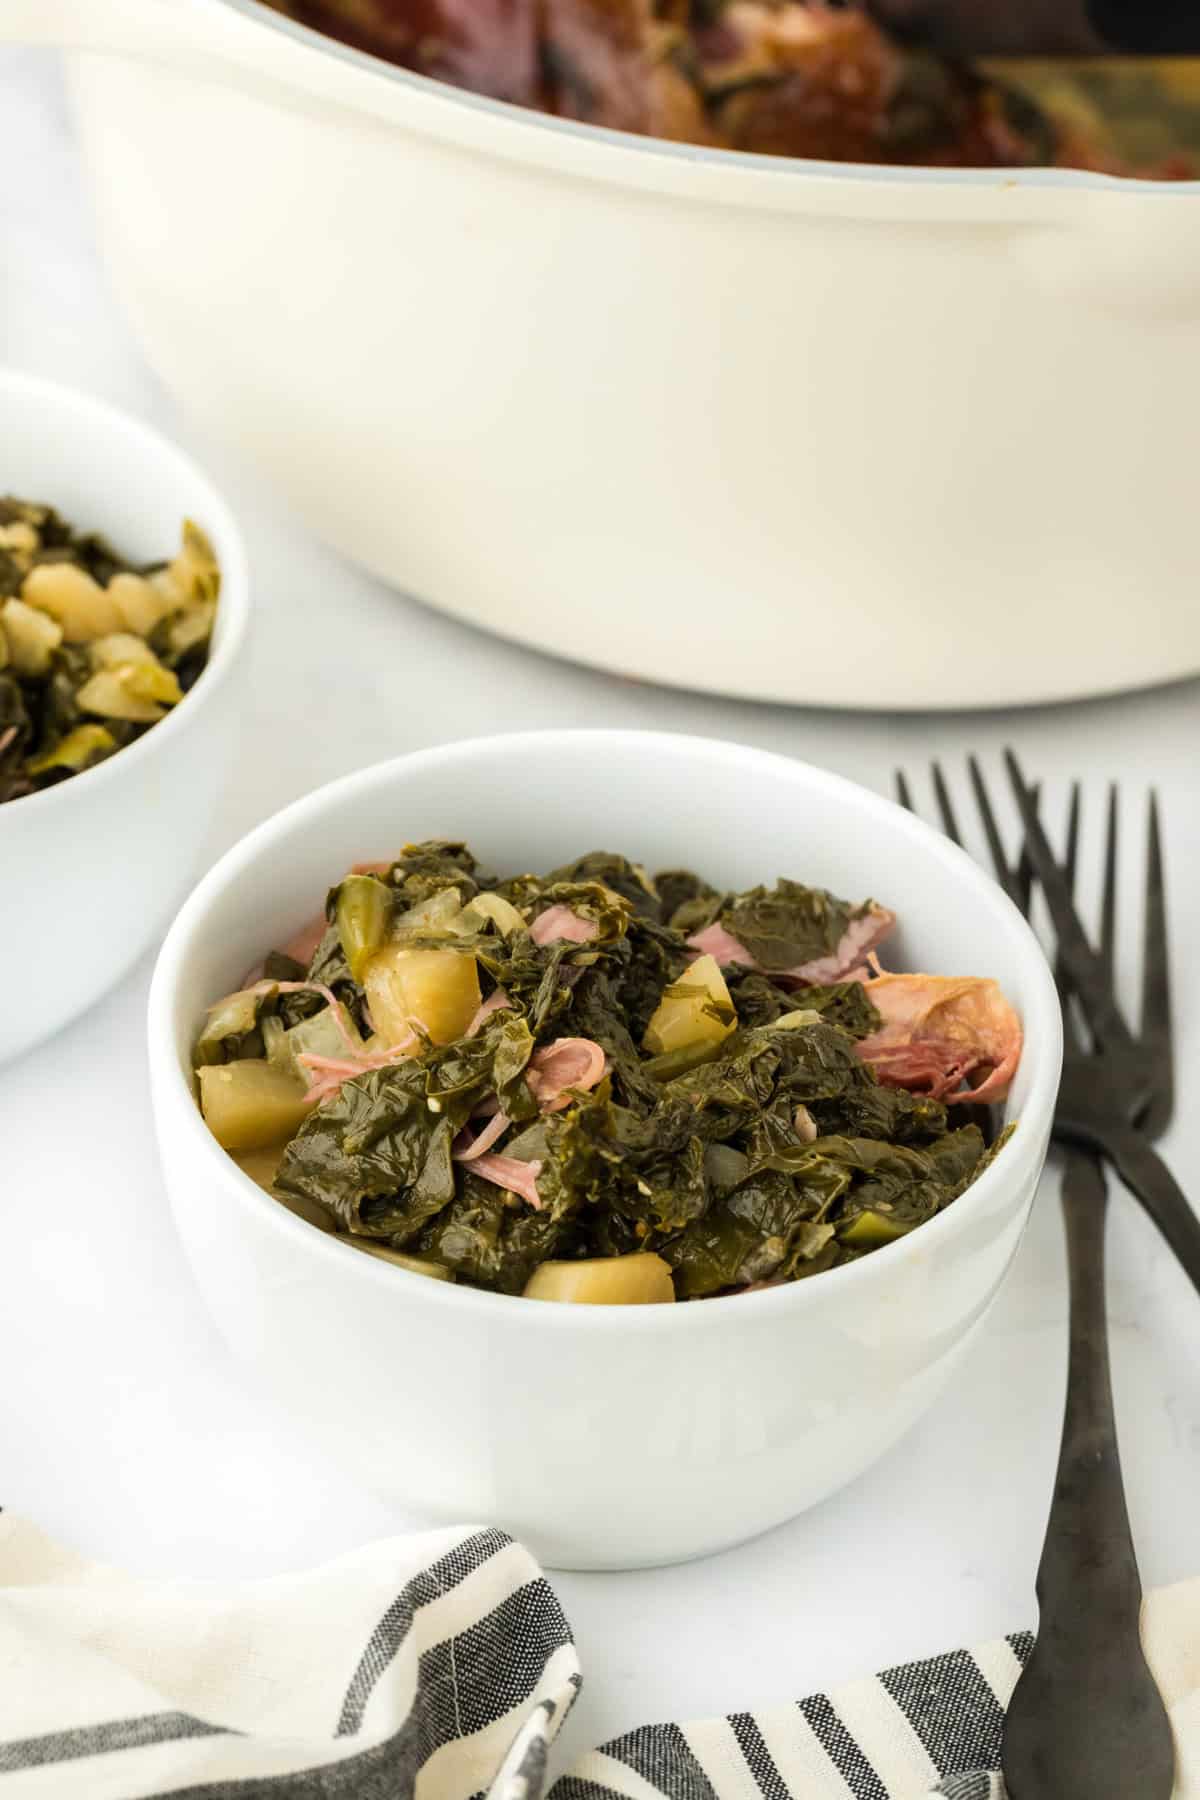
694 1010
438 990
251 1104
68 593
642 1279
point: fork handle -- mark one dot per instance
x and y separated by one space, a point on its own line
1085 1718
1145 1174
1088 1562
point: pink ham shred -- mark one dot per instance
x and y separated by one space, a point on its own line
560 925
940 1032
565 1065
568 1064
715 941
511 1173
496 1002
859 939
467 1149
6 738
327 1073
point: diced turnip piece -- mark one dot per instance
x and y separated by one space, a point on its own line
642 1279
437 990
136 691
138 601
120 647
694 1010
74 599
32 637
251 1104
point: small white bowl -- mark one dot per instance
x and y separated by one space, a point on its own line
621 1436
90 870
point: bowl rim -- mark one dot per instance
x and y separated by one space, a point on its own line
1042 1023
234 602
777 168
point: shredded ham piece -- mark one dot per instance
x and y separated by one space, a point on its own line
510 1173
714 940
467 1149
327 1073
370 868
559 925
940 1031
6 738
567 1063
859 939
497 1002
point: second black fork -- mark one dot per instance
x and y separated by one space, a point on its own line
1086 1720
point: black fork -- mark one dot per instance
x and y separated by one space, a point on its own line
1086 1718
1118 1093
1086 1721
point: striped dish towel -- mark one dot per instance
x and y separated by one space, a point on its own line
924 1729
440 1667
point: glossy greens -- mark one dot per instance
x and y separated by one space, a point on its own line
592 1085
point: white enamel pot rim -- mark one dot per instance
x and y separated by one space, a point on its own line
218 522
248 42
1041 1064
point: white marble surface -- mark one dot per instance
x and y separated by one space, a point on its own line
125 1427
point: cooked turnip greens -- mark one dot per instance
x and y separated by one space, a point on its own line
596 1086
94 649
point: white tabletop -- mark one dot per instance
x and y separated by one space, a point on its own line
125 1426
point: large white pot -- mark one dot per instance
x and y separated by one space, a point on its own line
792 430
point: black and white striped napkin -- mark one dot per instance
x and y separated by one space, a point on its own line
441 1667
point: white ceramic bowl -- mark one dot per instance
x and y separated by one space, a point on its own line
90 870
605 1437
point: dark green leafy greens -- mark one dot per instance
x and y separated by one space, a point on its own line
789 925
762 1150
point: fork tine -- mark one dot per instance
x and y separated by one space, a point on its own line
1071 1032
945 806
1108 907
1023 873
1156 982
903 792
1071 858
1008 878
1083 966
